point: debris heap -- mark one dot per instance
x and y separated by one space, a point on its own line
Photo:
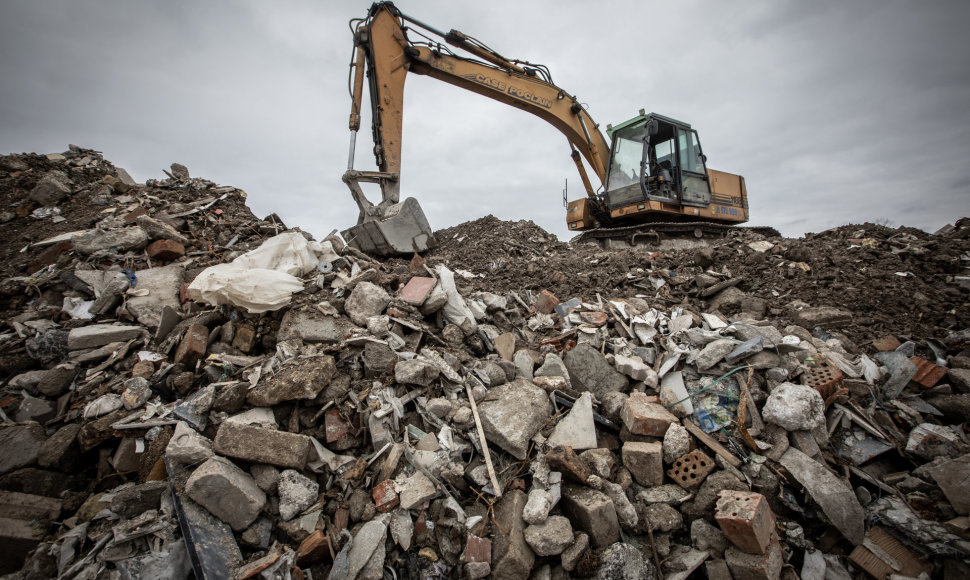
189 388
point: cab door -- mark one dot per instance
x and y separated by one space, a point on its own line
694 185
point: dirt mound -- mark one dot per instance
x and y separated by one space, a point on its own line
565 408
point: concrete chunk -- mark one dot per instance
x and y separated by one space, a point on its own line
551 537
259 445
794 407
836 499
366 300
21 444
303 379
228 492
592 512
590 371
95 335
513 413
645 462
512 558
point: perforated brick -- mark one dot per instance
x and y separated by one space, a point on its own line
746 520
825 379
690 469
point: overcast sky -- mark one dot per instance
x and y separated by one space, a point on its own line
835 112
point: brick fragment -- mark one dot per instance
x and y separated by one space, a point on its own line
416 291
314 550
336 426
927 373
564 459
478 549
193 345
165 250
886 343
826 379
642 415
690 470
49 256
546 302
746 520
385 497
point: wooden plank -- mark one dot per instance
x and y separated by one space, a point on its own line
712 443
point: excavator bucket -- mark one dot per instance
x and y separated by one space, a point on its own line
404 230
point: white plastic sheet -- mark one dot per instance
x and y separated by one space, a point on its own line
456 311
262 279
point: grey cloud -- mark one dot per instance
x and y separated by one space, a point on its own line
835 112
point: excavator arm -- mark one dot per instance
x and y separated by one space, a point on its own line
382 46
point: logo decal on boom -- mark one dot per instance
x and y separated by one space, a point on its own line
519 93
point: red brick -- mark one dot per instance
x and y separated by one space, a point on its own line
314 550
825 379
690 470
746 520
193 345
478 549
385 497
927 373
546 302
417 289
886 343
336 425
341 519
595 318
133 216
417 264
49 256
166 250
642 415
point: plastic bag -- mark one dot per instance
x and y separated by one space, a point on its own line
259 280
288 252
456 311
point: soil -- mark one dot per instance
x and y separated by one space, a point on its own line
895 280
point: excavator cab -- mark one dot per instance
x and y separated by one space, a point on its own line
656 158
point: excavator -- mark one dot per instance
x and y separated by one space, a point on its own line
653 180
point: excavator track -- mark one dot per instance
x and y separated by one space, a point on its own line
654 233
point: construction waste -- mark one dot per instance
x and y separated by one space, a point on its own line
187 389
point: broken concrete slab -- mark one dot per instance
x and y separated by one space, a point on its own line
592 512
953 477
590 371
304 379
162 286
260 445
229 493
95 335
513 413
21 443
837 500
576 429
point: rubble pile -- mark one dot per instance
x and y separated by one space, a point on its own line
190 389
